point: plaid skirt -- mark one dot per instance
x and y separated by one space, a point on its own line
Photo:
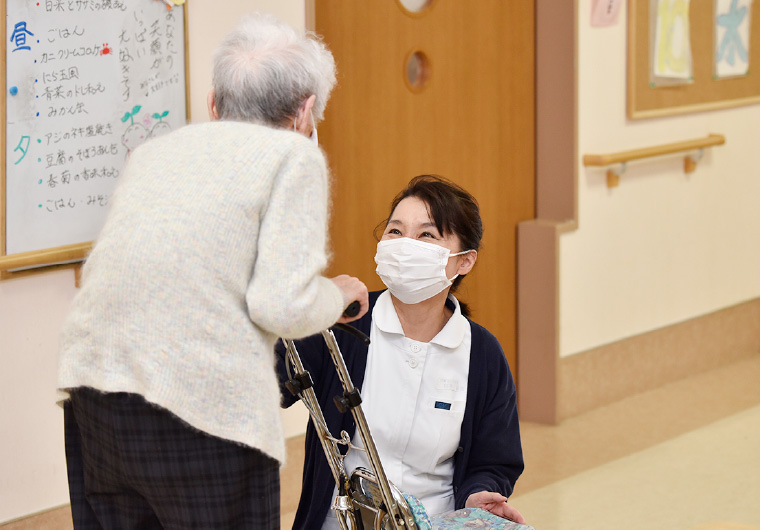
134 465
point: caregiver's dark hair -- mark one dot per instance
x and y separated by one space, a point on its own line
452 209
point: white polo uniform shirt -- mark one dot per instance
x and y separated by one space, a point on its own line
413 397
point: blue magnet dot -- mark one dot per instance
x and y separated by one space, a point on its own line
39 141
40 182
39 160
38 114
13 90
39 206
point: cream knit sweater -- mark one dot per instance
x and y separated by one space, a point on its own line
214 247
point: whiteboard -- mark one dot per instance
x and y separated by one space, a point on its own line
87 81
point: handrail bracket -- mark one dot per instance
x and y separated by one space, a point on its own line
613 175
690 161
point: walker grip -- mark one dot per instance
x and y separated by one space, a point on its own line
353 309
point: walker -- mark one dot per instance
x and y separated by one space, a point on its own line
367 499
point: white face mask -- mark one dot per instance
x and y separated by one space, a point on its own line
314 137
413 270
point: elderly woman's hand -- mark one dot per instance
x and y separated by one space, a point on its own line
353 289
495 503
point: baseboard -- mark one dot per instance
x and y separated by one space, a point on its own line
53 519
606 374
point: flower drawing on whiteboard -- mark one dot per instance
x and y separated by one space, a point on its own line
160 128
672 47
135 134
732 21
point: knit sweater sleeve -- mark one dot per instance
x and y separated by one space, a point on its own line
287 294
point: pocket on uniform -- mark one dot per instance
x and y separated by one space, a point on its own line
436 437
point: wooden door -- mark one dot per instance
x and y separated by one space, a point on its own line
472 121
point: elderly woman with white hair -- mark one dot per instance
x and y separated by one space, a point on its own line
214 246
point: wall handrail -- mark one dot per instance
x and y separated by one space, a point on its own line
622 157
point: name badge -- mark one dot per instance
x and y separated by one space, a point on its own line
442 405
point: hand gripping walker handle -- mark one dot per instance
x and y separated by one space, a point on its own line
353 309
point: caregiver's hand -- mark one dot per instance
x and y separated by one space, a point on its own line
495 503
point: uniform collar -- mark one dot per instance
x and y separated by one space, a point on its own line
451 336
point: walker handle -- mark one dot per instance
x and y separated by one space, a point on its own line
353 309
352 331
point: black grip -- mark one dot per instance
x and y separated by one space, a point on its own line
353 309
353 331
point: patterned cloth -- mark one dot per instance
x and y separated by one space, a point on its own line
460 519
419 512
474 518
145 468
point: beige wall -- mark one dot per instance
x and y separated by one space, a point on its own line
32 462
33 470
663 247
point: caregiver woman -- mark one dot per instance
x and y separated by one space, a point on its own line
437 391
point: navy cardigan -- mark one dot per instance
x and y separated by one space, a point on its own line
489 456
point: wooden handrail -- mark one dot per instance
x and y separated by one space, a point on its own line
623 157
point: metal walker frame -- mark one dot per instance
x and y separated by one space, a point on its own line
367 497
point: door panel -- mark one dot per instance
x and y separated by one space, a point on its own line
473 122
